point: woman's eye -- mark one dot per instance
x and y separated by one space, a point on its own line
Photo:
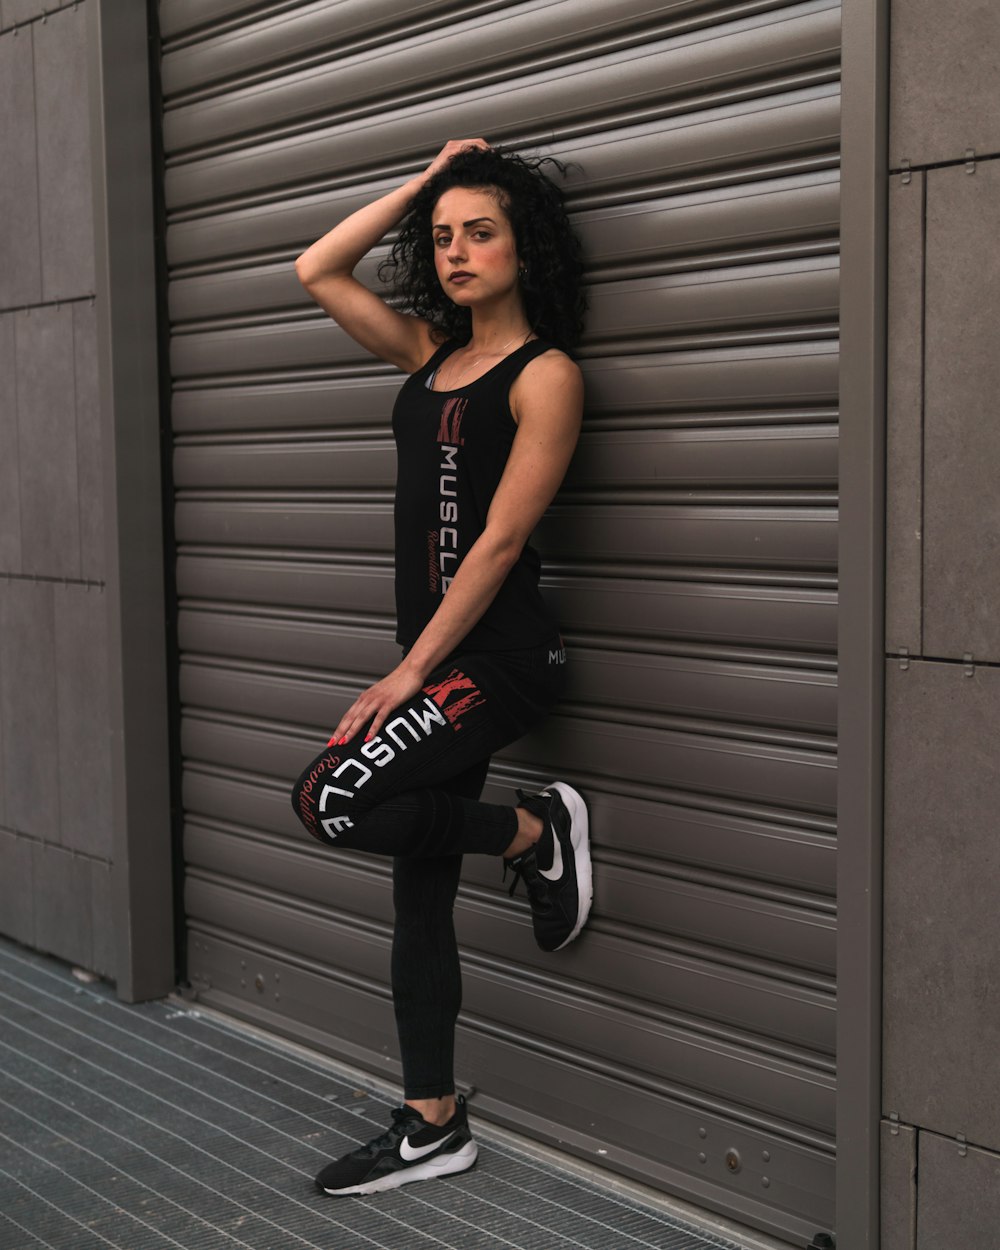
442 240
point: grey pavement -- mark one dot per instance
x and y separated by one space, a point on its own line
160 1127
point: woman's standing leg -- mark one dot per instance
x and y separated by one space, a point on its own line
426 976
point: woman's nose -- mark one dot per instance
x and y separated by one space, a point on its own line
456 248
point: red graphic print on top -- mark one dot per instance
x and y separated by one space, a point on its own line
452 412
455 695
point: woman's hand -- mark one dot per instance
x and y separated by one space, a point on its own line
376 703
450 150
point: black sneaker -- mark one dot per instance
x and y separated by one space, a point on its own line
556 870
411 1150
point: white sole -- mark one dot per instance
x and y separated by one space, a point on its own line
579 840
440 1165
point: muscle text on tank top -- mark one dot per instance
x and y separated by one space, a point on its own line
450 439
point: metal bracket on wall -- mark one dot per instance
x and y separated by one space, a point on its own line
894 1123
970 667
904 658
907 178
970 160
963 1145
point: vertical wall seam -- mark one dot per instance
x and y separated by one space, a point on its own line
17 457
76 425
58 726
38 184
917 1135
925 178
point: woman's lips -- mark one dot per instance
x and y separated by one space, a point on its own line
460 276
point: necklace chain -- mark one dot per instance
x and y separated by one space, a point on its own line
478 358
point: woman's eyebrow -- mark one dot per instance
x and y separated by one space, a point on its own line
443 225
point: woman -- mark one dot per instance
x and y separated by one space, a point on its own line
485 427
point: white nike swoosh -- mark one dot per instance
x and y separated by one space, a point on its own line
556 871
409 1153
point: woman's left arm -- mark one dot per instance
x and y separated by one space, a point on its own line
547 402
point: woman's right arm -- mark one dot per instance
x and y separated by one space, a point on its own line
326 270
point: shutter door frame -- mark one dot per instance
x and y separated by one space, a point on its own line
745 352
861 698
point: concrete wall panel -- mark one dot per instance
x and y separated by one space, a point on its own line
20 258
84 779
55 736
28 707
962 434
942 863
941 1020
89 449
10 487
17 912
899 1187
959 1204
64 156
904 433
63 903
103 956
50 531
943 80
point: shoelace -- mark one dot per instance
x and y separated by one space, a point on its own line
525 869
389 1138
524 866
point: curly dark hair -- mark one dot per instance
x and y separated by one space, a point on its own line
550 253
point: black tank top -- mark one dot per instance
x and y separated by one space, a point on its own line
452 447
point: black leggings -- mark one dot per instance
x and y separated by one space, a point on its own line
413 792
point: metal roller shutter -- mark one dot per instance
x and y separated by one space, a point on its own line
687 1039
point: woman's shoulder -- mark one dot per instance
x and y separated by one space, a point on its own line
550 365
551 373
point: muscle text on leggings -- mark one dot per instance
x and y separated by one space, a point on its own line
418 723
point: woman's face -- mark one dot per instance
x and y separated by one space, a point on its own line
474 250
